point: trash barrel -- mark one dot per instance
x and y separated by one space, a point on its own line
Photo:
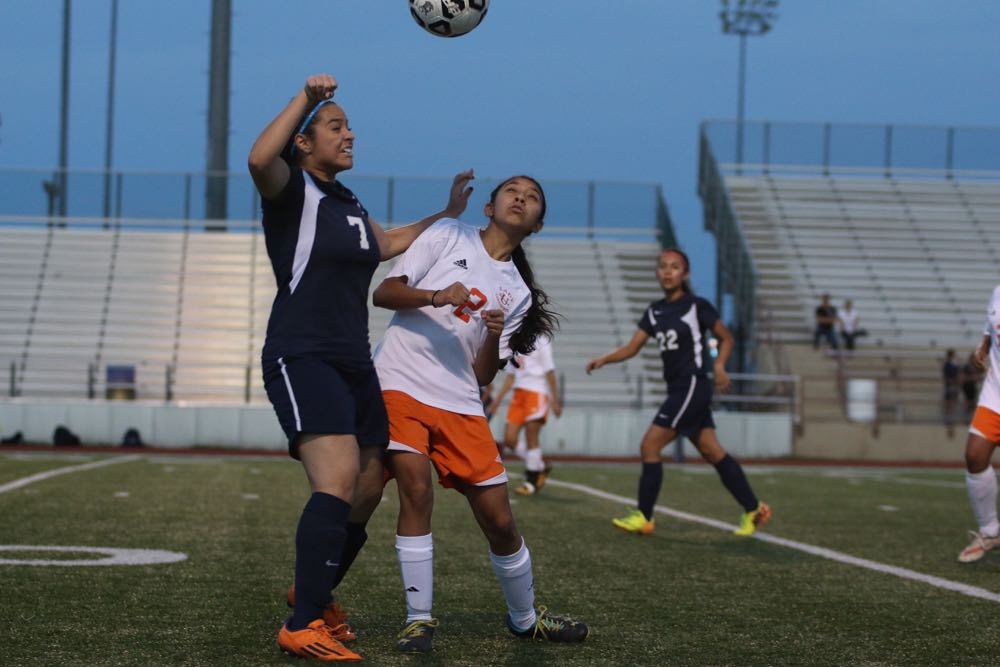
861 395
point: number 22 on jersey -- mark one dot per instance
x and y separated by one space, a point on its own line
464 311
667 340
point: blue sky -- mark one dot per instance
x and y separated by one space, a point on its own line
562 89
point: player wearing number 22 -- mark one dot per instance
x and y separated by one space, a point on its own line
465 299
677 322
317 365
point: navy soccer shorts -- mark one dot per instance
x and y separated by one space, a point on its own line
688 408
312 396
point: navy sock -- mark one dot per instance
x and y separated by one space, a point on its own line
731 474
649 487
319 543
356 538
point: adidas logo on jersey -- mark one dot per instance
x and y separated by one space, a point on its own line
461 264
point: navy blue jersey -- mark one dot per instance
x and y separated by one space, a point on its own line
324 254
677 326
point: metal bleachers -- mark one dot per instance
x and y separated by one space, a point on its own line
918 257
188 310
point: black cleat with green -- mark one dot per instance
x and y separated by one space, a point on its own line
552 628
417 636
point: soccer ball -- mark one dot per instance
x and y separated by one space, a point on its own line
448 18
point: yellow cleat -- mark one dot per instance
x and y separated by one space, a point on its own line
635 522
751 521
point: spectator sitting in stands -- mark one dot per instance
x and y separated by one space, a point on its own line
949 374
970 375
826 317
847 320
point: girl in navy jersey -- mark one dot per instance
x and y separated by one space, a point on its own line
465 299
317 364
677 322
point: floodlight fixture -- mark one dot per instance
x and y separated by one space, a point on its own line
748 17
745 18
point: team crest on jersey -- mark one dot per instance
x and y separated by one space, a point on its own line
505 298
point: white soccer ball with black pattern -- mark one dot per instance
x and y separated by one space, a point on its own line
448 18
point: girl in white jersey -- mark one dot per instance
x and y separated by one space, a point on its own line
984 436
536 391
465 300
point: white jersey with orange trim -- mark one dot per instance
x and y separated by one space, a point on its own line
532 371
428 352
989 397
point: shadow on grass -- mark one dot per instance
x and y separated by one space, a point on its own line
760 551
545 498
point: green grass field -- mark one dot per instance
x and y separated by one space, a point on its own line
691 594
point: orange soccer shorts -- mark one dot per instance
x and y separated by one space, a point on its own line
986 423
527 406
461 447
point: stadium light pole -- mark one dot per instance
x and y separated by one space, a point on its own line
109 125
745 18
61 179
218 115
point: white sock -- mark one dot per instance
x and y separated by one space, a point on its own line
982 487
533 460
416 563
515 577
521 447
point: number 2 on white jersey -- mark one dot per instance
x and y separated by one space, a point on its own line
356 221
470 306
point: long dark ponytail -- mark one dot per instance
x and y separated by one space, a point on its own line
540 320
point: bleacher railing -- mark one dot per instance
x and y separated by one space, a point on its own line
735 271
607 208
749 392
858 150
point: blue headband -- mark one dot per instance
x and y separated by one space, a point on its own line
308 120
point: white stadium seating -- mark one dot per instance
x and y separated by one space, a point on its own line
918 257
188 309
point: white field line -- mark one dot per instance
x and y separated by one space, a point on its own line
926 482
902 572
25 481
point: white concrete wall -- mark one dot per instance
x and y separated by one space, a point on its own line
579 432
619 432
100 422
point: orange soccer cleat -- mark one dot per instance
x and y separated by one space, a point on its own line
316 643
334 616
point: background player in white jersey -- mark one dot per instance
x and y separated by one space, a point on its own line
465 300
316 361
984 436
677 322
536 391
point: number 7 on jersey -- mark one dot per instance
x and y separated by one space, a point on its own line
355 221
